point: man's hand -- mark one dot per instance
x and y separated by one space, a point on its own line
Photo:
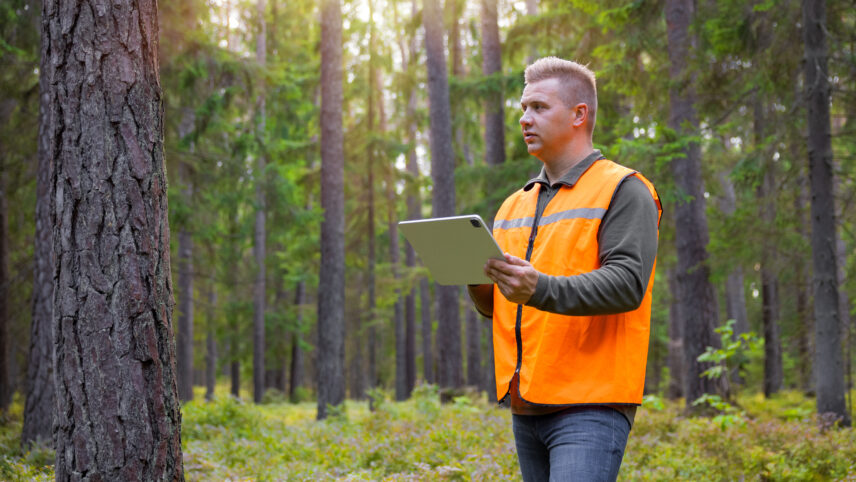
515 277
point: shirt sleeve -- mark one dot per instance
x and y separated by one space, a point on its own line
627 242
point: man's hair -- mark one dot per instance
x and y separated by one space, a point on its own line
578 82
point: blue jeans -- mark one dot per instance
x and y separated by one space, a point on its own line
575 444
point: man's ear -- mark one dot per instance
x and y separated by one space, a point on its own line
580 115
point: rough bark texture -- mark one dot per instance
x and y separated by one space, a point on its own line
331 287
450 369
494 121
259 248
696 295
39 404
118 413
829 363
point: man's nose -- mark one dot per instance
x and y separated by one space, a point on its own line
525 120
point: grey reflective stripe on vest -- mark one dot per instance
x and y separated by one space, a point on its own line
513 223
579 213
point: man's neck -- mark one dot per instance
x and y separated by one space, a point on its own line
559 166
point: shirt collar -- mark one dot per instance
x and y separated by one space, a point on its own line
570 178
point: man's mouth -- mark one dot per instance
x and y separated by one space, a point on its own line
528 136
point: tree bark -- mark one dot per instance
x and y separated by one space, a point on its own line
331 287
695 292
426 302
494 122
39 405
118 413
443 175
829 363
370 222
473 329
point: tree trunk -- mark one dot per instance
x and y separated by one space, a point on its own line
443 175
118 413
259 248
331 287
5 379
295 378
370 222
39 407
695 292
426 302
211 346
473 328
532 10
803 287
494 122
184 345
676 341
829 364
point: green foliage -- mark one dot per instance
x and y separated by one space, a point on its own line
732 348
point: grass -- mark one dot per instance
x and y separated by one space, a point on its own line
227 439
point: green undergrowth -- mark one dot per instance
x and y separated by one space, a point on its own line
227 439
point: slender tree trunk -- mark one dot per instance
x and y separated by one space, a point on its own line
370 222
443 174
184 346
773 374
426 302
532 10
695 292
494 132
331 286
473 329
211 345
118 413
5 378
829 364
295 378
676 341
39 405
259 249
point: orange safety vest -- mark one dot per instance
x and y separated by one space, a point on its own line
565 360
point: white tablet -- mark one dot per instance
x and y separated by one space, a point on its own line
454 249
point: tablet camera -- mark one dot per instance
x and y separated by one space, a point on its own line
475 223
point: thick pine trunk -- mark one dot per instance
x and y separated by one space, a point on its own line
39 405
118 413
829 363
450 370
696 295
331 287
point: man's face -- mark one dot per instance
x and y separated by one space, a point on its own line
547 123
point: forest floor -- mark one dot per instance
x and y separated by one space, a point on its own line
775 439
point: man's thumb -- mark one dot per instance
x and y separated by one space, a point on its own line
511 259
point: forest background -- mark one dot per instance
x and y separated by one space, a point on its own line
715 102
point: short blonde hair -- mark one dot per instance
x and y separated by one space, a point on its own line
578 82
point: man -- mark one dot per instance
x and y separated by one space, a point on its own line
571 302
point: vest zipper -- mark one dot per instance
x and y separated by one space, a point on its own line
529 248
